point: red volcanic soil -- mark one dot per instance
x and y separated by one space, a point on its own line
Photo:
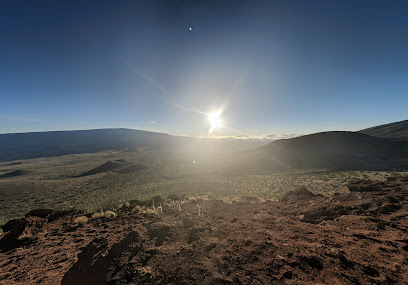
355 238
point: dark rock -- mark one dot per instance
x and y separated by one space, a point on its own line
41 213
99 264
21 232
87 270
59 214
11 240
12 224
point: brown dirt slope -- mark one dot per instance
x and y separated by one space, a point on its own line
355 238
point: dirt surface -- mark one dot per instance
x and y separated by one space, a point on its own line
355 238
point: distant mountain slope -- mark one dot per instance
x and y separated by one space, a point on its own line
398 131
42 144
337 150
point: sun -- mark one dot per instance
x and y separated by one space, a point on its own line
214 119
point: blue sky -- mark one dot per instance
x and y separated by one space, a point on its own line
273 66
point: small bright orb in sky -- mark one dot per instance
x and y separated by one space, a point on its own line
190 28
214 119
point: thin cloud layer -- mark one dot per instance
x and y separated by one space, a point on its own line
271 137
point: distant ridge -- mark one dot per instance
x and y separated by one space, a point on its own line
57 143
396 131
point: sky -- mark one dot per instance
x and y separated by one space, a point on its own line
268 67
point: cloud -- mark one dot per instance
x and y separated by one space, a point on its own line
271 137
154 122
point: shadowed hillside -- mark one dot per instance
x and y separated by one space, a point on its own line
14 173
397 131
106 167
336 150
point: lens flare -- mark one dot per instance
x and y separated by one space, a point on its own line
214 119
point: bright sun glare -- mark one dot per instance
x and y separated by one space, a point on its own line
214 119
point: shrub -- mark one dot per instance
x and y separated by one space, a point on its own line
97 215
110 214
102 214
139 209
81 221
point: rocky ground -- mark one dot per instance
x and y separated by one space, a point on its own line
355 238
